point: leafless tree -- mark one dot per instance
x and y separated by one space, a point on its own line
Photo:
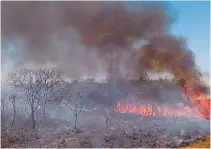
107 87
51 81
115 130
77 108
121 134
74 103
2 109
109 118
12 99
36 84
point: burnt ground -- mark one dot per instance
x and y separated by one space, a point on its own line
125 130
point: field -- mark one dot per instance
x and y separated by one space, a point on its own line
201 143
97 126
125 130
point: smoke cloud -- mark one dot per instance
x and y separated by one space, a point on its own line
88 38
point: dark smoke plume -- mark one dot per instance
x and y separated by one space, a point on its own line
167 53
107 29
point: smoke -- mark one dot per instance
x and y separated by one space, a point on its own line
86 38
168 53
48 39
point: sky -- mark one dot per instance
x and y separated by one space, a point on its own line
193 23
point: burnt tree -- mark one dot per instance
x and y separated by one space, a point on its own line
12 99
36 85
74 103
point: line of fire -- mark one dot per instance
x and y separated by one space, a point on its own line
199 106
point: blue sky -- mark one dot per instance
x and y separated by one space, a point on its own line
194 24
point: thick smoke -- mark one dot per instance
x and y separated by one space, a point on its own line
85 38
167 53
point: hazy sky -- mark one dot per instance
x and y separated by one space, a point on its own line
194 24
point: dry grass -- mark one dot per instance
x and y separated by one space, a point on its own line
202 143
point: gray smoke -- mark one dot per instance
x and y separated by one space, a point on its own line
61 34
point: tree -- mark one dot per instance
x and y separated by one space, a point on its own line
108 122
75 105
2 109
36 85
12 99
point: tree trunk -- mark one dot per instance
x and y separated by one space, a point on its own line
44 110
2 119
33 118
2 115
14 115
75 126
107 125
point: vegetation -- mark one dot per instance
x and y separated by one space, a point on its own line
40 106
202 143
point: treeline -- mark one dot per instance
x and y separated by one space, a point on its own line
39 87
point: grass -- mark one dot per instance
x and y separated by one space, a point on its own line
202 143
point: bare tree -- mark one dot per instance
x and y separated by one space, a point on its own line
109 118
2 109
121 134
115 131
75 105
51 81
35 84
77 108
12 99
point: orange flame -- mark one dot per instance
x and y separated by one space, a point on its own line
150 110
198 99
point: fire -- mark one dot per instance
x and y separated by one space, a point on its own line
153 110
145 110
198 99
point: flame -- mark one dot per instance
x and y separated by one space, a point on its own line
200 100
153 110
197 99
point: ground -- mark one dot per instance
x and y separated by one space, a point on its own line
147 132
201 143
